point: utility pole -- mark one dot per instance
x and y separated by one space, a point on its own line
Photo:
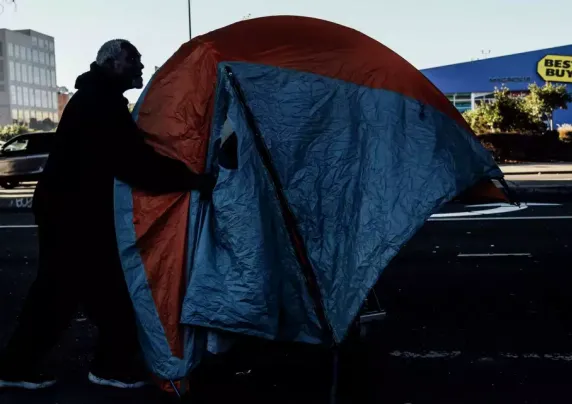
190 24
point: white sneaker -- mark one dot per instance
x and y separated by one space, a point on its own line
127 383
26 383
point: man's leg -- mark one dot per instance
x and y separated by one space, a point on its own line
48 308
109 305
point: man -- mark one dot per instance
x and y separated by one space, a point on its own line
96 142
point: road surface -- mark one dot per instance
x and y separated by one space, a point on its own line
479 311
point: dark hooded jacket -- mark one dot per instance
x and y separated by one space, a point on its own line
96 142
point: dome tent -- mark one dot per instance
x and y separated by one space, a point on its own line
341 151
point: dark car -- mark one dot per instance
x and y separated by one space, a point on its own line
23 158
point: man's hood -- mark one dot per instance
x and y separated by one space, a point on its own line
97 78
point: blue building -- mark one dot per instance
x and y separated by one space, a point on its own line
468 84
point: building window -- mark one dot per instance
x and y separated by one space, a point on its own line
29 54
41 43
35 56
32 114
52 46
10 50
20 115
15 115
55 100
38 96
44 99
483 98
25 96
42 77
26 116
53 60
32 98
35 41
42 58
24 73
16 51
461 101
22 53
36 75
19 100
18 76
54 81
30 74
11 70
13 99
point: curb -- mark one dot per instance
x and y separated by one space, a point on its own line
559 190
538 173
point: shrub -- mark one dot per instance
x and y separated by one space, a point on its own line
11 131
505 113
507 147
565 133
477 120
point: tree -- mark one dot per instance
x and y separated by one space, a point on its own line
543 101
478 120
505 113
516 113
11 131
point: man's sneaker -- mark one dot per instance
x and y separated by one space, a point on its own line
26 382
119 382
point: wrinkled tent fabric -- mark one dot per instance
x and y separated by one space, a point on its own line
365 149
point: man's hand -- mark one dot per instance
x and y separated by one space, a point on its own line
206 184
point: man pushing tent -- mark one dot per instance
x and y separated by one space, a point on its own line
73 206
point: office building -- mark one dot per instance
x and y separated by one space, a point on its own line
28 90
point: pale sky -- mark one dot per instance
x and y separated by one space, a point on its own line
427 33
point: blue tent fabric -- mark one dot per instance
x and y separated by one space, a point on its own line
362 169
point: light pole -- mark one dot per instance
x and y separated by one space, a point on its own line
190 25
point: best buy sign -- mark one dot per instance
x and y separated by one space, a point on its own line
556 68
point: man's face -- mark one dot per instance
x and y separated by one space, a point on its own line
129 67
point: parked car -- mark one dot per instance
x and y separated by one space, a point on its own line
24 157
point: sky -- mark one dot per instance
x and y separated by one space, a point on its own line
426 33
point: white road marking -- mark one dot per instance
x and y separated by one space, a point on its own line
497 208
564 357
495 211
495 255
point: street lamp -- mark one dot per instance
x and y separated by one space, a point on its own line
190 25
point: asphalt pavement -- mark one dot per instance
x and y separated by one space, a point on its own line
479 311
